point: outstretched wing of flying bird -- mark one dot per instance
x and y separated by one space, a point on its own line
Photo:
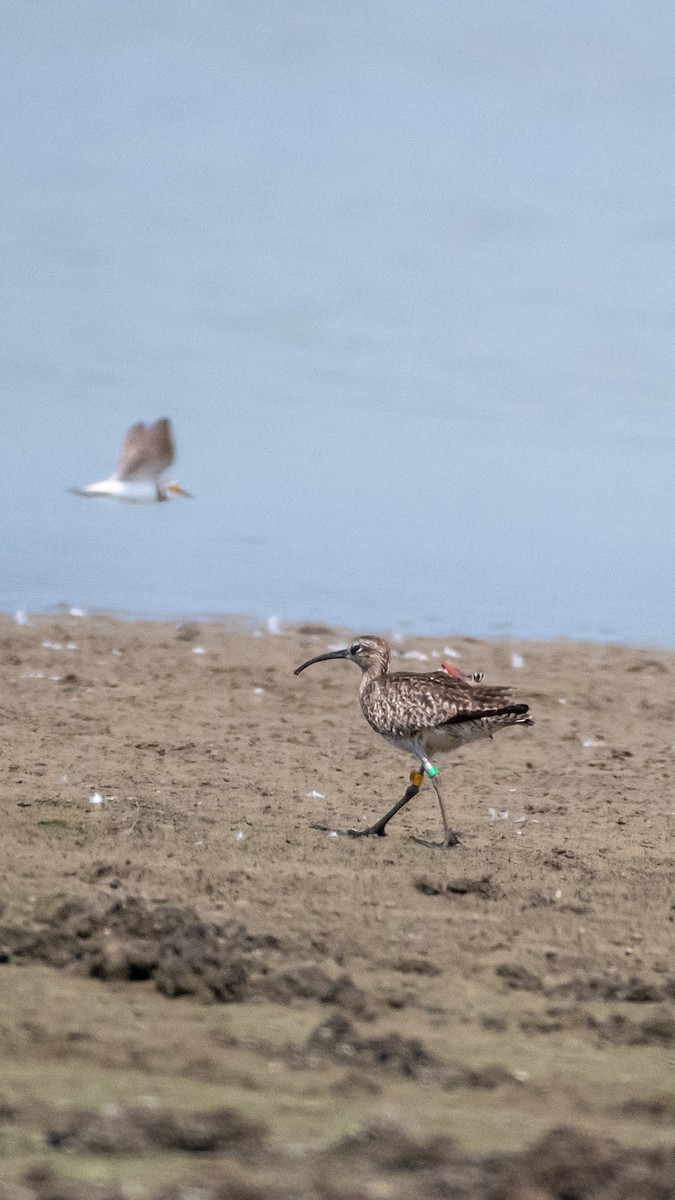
147 450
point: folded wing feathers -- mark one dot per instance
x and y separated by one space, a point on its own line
404 704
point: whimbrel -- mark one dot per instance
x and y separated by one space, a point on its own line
147 453
423 714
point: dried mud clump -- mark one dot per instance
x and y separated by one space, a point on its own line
41 1182
483 887
311 982
567 1164
129 940
379 1161
337 1038
518 978
139 1131
182 954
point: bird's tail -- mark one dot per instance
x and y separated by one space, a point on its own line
513 714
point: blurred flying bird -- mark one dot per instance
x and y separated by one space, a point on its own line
147 453
423 714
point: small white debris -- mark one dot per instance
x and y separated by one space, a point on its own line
497 815
64 779
448 650
117 653
258 691
562 700
21 617
519 833
73 646
557 895
517 661
315 796
513 789
97 798
198 650
521 1076
53 645
519 820
273 625
590 744
333 834
55 678
239 836
77 612
417 655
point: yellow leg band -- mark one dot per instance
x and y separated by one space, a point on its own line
416 778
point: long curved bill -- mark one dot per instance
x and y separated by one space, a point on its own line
322 658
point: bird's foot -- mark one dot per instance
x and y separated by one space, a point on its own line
372 831
451 840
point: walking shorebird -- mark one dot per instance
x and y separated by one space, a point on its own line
423 714
147 453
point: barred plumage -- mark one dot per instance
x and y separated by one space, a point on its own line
425 713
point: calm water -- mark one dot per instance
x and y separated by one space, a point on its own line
401 274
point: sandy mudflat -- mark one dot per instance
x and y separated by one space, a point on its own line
288 1014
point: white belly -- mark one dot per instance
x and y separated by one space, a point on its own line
436 741
143 491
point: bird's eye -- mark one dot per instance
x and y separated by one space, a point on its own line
355 648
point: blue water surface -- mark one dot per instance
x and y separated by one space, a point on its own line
402 276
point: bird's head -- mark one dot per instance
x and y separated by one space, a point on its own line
370 653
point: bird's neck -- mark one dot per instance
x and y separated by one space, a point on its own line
373 672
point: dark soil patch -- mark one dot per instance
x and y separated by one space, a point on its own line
146 1130
482 887
311 982
565 1165
337 1038
129 940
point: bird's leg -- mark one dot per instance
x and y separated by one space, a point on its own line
450 838
379 828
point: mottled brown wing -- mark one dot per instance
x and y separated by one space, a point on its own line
147 450
404 705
